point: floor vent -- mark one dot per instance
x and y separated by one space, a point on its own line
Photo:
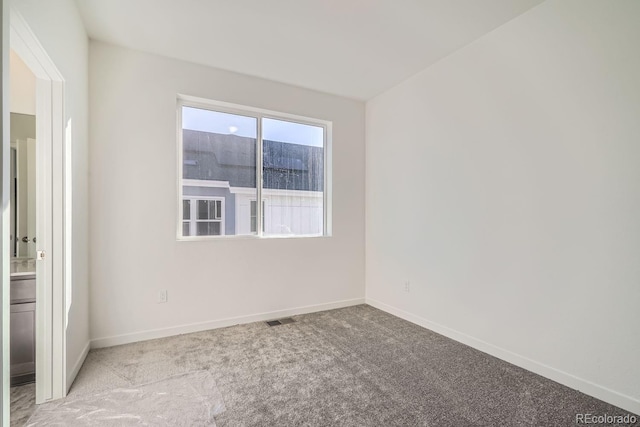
284 321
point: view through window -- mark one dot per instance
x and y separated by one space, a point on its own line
232 159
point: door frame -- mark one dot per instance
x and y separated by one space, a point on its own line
5 155
50 208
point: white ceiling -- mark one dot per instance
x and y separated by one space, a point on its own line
353 48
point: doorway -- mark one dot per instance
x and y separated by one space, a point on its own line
23 239
38 230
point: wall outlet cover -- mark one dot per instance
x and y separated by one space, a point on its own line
162 296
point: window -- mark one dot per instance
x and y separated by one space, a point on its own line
203 217
231 156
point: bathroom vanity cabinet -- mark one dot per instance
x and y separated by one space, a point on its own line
23 328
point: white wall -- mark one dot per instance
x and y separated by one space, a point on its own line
134 252
23 87
59 28
503 182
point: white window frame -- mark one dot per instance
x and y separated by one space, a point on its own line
193 218
258 114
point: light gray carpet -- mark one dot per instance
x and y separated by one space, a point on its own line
356 366
190 399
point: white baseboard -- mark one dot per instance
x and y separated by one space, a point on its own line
71 376
613 397
220 323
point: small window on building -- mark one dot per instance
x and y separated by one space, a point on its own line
232 156
207 219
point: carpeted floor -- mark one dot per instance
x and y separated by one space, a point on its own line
356 366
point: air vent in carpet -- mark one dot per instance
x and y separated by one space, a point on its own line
284 321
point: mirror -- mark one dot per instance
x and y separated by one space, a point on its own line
23 186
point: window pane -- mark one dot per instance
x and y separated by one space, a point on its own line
208 228
186 209
219 155
204 209
293 171
219 174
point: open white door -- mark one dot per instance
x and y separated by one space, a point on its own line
26 198
31 199
44 293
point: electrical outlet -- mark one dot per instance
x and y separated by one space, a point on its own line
162 296
407 286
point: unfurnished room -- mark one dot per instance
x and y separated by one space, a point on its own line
320 213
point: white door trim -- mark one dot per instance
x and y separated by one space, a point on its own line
4 223
50 134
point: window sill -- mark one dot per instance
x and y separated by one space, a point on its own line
249 237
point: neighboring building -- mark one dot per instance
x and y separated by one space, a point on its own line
219 186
